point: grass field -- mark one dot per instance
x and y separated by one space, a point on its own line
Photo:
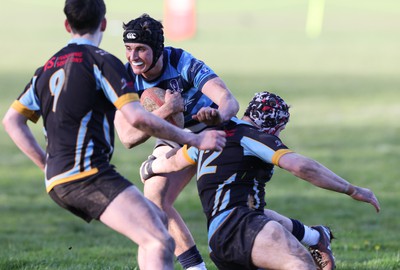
343 88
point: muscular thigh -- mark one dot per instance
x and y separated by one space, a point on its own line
131 214
164 189
275 246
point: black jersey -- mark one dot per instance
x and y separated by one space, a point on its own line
237 175
76 93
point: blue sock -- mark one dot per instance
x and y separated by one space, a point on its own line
190 257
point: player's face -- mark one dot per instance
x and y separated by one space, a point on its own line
140 56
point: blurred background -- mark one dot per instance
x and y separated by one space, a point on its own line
336 62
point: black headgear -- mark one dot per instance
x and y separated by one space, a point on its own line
268 111
148 31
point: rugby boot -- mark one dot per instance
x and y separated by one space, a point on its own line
321 252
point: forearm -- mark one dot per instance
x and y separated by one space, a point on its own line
146 122
320 176
21 135
128 135
131 136
162 129
32 149
315 173
228 107
219 93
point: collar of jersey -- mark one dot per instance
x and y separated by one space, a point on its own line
240 121
81 41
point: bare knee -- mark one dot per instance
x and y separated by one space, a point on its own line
164 245
276 248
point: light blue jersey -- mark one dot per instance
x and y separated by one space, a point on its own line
184 74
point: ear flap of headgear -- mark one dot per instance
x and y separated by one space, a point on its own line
268 111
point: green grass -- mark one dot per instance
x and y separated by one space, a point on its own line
343 88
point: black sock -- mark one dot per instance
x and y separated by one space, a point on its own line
190 257
298 229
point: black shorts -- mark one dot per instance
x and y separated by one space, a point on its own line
232 241
88 197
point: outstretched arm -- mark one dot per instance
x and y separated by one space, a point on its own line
320 176
17 128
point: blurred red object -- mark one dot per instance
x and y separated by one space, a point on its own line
179 19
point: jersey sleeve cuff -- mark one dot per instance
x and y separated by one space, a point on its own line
124 99
22 109
278 154
186 155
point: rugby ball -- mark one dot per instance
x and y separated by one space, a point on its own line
153 98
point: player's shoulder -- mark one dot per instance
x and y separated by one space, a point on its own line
174 50
104 55
106 61
237 123
246 129
235 128
174 56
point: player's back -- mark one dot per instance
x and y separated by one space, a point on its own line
75 89
234 176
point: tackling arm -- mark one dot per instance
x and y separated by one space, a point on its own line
128 135
131 136
17 128
320 176
150 124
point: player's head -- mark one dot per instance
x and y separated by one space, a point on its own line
268 111
84 16
146 30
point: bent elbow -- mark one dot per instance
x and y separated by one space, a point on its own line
7 124
127 144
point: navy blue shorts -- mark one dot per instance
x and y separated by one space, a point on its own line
232 240
88 197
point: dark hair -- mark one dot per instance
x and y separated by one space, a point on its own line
146 30
84 16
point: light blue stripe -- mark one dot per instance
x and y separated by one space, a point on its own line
255 148
103 84
29 99
106 128
216 223
226 198
80 138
